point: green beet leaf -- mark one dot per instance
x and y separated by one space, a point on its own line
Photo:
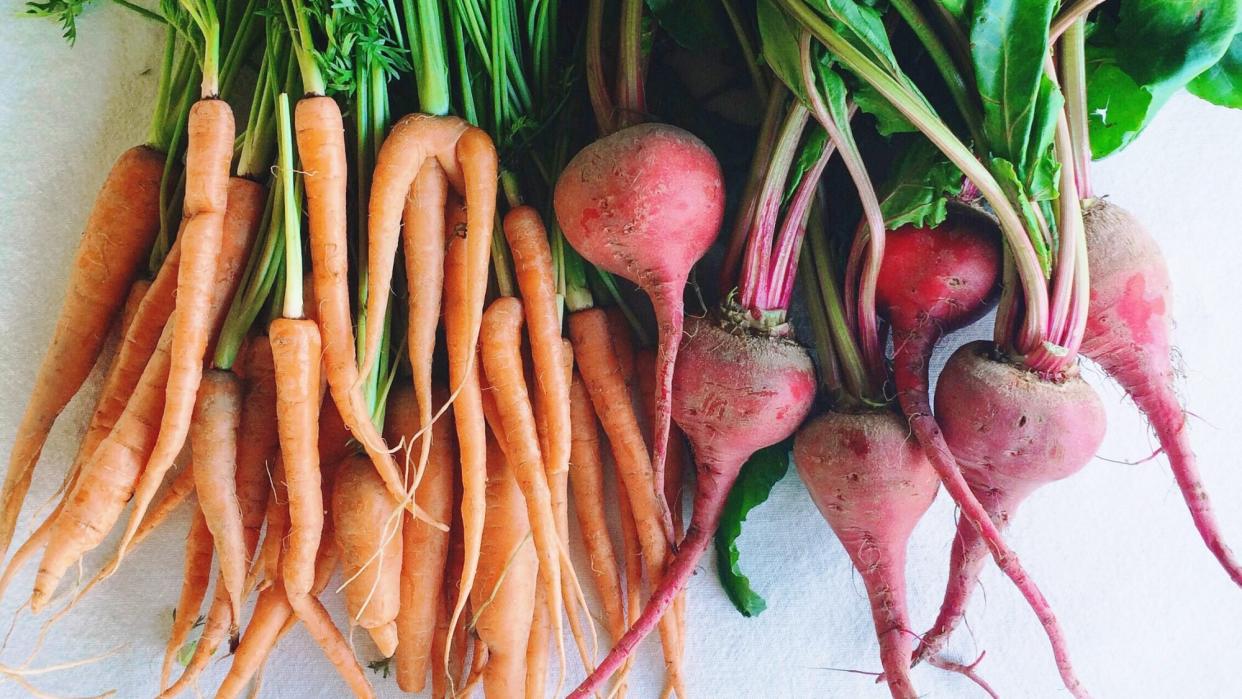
1222 83
754 484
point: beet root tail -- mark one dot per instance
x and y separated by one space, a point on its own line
965 564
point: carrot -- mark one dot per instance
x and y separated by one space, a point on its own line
113 247
464 377
425 236
632 552
207 192
257 441
213 439
321 147
221 621
413 141
296 352
586 477
504 594
266 567
424 548
133 300
198 553
537 650
602 375
532 265
271 619
449 653
369 537
622 343
502 361
132 356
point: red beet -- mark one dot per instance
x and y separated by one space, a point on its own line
873 484
646 203
1012 432
734 393
1129 330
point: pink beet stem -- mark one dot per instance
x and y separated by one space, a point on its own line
793 230
910 366
708 503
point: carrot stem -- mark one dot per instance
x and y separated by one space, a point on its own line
292 306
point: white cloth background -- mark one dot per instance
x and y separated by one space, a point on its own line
1146 608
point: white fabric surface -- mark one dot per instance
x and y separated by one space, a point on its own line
1147 610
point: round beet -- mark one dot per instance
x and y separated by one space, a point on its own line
873 484
645 203
735 392
1129 334
1012 431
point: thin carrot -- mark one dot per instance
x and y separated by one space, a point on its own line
220 622
257 441
538 652
449 653
413 141
532 265
464 377
137 292
213 440
136 347
296 352
502 361
632 553
369 537
424 235
604 380
122 224
207 192
504 594
622 343
586 477
198 554
271 619
425 548
321 146
266 567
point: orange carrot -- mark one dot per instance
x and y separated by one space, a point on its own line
137 292
271 619
220 621
532 265
425 548
413 141
425 237
448 655
208 189
538 653
122 224
296 352
107 480
504 593
266 568
502 361
368 533
198 552
464 378
321 148
257 442
603 377
132 356
213 439
586 477
622 343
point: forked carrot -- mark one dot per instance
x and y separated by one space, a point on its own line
424 236
425 548
538 651
414 140
198 554
118 234
368 532
208 189
502 361
504 594
296 352
214 442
